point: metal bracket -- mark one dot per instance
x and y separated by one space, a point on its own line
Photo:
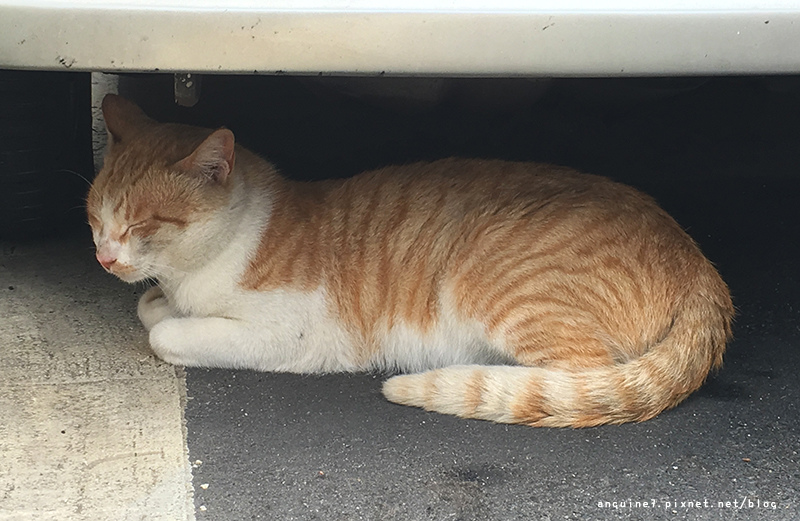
187 89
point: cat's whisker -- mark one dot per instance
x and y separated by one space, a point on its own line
147 283
85 180
166 267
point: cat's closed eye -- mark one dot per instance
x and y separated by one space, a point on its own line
134 226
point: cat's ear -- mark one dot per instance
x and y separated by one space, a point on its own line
213 159
122 117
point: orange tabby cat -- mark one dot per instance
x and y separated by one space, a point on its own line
516 292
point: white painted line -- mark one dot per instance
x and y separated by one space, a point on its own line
91 425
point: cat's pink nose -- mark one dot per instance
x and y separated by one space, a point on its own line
105 260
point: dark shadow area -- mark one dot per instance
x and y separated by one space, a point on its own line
45 152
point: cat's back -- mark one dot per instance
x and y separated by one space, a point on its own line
486 187
458 210
477 197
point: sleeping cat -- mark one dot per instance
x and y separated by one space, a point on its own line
513 292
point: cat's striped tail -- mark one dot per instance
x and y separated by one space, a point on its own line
633 391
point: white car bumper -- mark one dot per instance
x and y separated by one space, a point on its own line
417 37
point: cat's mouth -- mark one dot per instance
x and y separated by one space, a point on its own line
125 272
108 257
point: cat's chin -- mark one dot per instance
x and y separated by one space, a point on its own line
131 277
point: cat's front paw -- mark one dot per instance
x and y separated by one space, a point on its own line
153 307
166 339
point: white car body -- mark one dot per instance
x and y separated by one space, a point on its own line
544 38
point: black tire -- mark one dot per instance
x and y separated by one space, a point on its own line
45 151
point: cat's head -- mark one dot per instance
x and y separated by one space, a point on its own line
156 202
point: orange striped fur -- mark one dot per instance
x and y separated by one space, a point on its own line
597 305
